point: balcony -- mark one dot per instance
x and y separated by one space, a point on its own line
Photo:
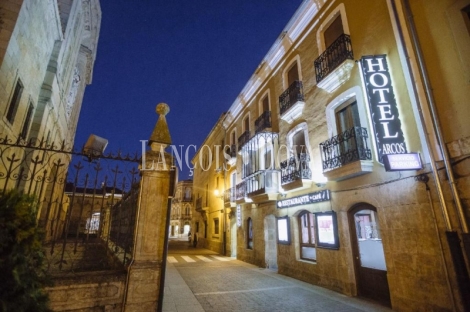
333 67
243 139
263 122
241 193
230 197
263 186
232 152
186 216
187 199
291 102
346 155
296 173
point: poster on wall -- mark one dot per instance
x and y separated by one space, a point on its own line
327 230
283 230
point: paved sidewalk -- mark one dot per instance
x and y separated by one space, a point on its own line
218 286
178 297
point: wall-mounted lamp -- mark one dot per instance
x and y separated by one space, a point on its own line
320 184
218 194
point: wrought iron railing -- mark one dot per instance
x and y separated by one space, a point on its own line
263 121
241 190
292 95
344 148
295 168
77 195
334 55
243 139
187 199
263 182
230 195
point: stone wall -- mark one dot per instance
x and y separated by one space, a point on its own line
88 291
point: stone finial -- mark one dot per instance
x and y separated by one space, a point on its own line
161 134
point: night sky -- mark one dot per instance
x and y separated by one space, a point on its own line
196 56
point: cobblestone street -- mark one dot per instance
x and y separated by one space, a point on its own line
200 280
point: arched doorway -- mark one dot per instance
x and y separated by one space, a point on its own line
368 253
270 242
186 228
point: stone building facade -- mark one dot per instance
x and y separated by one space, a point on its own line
181 209
47 54
210 216
332 151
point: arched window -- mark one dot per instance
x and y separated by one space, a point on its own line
249 234
187 193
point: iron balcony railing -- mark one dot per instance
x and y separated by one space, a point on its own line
230 195
241 190
263 122
295 168
187 199
339 51
265 181
243 139
292 95
344 148
199 203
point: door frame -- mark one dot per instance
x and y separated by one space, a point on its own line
355 243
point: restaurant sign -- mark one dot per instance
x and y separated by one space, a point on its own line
306 199
383 106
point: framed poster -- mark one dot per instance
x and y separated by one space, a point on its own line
327 230
283 230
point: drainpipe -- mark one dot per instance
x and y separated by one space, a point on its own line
456 250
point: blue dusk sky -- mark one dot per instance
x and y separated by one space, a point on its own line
196 56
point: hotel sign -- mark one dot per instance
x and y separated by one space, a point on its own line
401 162
306 199
383 106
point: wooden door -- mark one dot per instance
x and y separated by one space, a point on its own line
368 253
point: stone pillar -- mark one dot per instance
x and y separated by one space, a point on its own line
144 272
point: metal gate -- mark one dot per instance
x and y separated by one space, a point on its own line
85 201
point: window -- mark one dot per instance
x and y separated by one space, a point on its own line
264 104
27 122
233 137
333 26
216 226
298 143
187 194
292 74
246 123
334 30
14 102
307 236
249 234
297 139
197 227
347 116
